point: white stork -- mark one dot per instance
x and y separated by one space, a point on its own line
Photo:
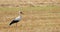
17 19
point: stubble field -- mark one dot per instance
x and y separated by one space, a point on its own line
35 19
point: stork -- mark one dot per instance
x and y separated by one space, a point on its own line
17 19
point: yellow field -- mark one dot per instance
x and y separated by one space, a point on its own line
19 3
35 19
39 15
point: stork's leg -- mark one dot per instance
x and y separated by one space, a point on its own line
16 27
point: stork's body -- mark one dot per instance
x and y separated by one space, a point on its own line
17 19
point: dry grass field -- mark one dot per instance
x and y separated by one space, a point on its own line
19 3
35 18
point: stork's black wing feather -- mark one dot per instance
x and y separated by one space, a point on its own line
14 21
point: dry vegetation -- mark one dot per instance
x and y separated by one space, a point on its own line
19 3
35 19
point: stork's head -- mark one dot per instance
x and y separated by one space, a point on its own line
21 12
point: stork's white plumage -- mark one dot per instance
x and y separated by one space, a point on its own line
17 19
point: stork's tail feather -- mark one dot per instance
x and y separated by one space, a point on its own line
10 24
14 21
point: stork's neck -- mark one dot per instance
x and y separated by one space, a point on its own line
20 15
